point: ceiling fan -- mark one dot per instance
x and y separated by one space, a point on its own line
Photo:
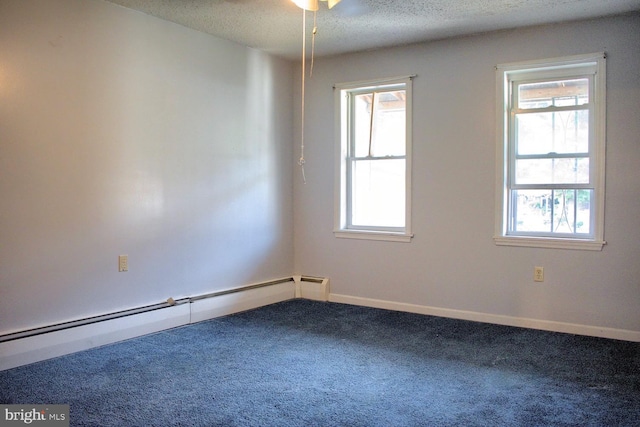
313 5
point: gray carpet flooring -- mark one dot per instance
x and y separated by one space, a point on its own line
306 363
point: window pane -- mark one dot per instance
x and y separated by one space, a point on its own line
552 211
378 193
553 132
552 171
361 121
558 93
583 211
385 134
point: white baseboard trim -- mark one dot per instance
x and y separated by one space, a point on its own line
42 346
35 348
545 325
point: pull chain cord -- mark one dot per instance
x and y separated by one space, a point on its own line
313 41
373 112
301 162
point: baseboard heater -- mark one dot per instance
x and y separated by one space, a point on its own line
87 321
133 311
241 289
315 288
36 344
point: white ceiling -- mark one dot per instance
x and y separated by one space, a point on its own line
275 26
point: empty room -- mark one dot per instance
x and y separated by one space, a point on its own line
320 213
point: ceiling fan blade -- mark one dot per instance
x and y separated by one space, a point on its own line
349 8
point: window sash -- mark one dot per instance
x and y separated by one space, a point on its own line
350 181
376 93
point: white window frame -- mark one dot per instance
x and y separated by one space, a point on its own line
592 65
342 228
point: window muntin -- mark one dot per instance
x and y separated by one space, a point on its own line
374 156
553 181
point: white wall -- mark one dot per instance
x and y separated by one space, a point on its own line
452 262
124 134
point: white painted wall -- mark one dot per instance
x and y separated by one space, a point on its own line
124 134
452 263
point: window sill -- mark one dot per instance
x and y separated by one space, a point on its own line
547 242
373 235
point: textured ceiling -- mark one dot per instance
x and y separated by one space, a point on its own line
275 26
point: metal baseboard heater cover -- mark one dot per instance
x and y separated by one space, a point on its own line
145 309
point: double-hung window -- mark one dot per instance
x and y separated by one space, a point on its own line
373 156
551 126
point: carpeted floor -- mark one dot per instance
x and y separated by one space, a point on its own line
305 363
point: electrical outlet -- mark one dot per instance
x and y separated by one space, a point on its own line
123 263
538 274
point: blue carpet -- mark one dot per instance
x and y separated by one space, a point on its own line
305 363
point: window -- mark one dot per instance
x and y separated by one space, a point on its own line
373 155
551 129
